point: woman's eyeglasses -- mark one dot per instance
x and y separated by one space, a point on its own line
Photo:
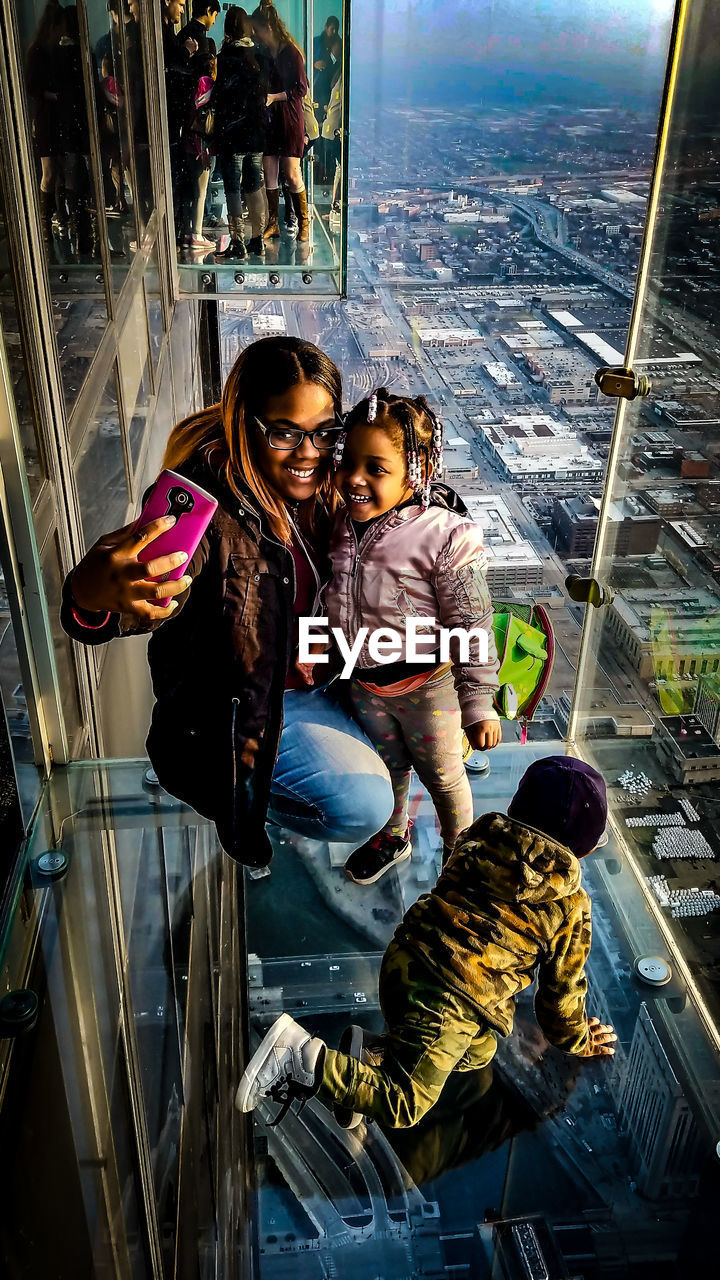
321 438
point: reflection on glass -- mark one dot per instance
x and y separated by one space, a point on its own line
328 91
251 111
156 323
64 656
134 374
119 1077
14 701
100 470
107 25
138 418
57 76
14 354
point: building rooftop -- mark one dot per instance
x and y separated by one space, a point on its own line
504 543
689 737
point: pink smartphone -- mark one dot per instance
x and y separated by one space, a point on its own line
193 508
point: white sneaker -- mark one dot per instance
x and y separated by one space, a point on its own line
282 1069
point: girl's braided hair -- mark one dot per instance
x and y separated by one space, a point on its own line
412 426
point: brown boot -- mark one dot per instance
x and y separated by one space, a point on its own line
272 230
300 205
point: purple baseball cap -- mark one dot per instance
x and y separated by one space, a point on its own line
566 799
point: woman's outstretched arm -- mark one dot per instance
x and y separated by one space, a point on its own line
109 591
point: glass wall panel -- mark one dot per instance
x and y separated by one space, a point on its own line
100 470
109 35
648 694
16 357
133 361
59 77
153 300
120 1091
255 150
53 577
14 701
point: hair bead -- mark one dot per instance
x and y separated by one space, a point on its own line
372 407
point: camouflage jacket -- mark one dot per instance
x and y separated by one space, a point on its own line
509 903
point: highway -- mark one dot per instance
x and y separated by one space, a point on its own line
309 985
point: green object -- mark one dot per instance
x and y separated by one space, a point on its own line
525 647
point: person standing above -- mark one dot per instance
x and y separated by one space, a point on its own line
240 126
205 14
179 87
42 79
286 123
325 56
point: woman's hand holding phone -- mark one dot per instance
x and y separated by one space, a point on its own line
110 578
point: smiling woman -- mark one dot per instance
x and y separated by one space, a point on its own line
234 729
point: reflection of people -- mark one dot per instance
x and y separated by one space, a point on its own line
286 126
221 653
108 43
41 75
73 137
413 712
198 158
332 139
325 56
509 906
240 114
111 102
204 13
179 87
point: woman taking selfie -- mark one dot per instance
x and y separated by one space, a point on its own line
222 652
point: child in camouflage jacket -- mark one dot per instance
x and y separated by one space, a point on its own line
509 906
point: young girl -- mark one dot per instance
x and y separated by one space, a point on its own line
404 548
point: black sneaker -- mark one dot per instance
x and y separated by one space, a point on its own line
368 863
351 1042
357 1043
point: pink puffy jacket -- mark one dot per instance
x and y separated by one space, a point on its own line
415 563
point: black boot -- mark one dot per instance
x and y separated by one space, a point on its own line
253 850
290 220
236 251
47 205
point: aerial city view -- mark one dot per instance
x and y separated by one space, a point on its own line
494 244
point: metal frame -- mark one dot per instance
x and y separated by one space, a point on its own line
586 655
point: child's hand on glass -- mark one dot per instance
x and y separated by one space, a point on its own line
305 669
600 1040
484 735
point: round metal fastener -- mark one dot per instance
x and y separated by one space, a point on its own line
18 1012
653 970
51 865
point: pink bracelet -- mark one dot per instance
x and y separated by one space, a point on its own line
91 626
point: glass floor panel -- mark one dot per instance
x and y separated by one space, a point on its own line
286 266
606 1168
152 990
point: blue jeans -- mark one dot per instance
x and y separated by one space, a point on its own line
241 169
329 782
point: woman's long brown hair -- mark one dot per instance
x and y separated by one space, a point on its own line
219 433
266 15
